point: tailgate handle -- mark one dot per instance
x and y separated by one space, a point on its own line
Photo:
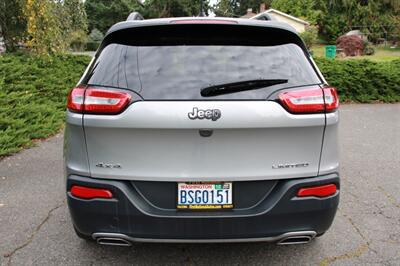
205 132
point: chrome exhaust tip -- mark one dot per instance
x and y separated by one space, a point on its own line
293 238
110 239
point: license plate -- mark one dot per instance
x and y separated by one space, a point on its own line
205 195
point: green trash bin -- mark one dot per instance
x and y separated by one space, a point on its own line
330 51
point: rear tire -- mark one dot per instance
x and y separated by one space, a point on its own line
320 234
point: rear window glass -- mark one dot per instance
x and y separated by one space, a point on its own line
181 71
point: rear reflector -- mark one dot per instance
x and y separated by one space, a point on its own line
203 21
312 100
320 191
90 193
97 101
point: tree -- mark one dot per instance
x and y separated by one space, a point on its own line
237 8
75 11
44 28
12 23
375 18
243 5
76 24
226 8
102 14
310 10
174 8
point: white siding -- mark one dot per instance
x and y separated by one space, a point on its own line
300 27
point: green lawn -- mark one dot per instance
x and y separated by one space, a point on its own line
381 54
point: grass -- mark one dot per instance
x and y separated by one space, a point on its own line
381 54
33 96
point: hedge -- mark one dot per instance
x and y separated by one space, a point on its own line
33 95
363 81
33 91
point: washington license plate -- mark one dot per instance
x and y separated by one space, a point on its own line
205 195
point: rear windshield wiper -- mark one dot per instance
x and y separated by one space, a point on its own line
245 85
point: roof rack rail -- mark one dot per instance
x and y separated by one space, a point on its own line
135 16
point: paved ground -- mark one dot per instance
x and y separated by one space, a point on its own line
35 227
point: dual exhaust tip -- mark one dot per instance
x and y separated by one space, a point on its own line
290 238
113 241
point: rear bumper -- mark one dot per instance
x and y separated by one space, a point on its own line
134 216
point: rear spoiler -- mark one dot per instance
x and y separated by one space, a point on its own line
168 32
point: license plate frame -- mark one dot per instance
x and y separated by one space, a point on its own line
226 189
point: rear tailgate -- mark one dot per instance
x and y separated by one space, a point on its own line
251 140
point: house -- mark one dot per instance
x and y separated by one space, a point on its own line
358 33
273 14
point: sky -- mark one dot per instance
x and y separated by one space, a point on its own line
213 2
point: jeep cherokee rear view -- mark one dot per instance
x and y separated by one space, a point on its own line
202 130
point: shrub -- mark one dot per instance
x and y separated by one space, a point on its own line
95 38
352 45
368 48
96 35
363 80
78 40
33 93
309 36
92 46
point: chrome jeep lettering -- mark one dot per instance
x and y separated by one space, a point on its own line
211 114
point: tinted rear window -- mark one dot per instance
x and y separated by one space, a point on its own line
181 71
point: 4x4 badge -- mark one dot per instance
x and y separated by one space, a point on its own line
213 114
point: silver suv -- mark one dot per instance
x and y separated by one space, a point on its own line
202 130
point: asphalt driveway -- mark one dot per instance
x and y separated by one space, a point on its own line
35 227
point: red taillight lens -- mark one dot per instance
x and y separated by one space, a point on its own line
90 193
331 99
319 191
97 101
102 101
312 100
75 99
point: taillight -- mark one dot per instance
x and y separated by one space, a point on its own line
97 101
102 101
75 99
90 193
318 191
312 100
331 99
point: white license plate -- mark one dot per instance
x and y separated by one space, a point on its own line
205 195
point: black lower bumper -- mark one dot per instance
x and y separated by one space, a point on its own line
131 213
